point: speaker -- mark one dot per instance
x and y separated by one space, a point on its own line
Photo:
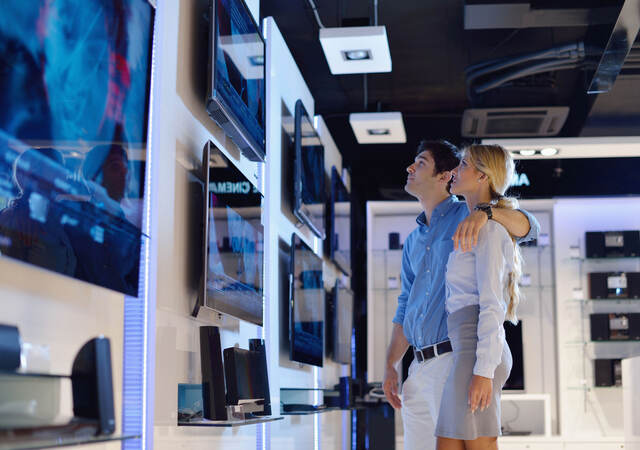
394 241
604 285
257 346
634 326
9 347
633 284
213 395
595 244
631 243
92 385
240 367
598 285
599 327
604 374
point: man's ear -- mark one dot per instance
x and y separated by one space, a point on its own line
445 176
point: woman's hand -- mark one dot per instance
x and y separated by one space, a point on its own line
480 392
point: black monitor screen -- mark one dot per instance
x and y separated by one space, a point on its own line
340 223
238 78
75 80
307 305
234 238
309 189
513 334
343 324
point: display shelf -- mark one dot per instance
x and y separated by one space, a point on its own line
62 441
9 373
200 422
608 301
593 388
307 413
617 258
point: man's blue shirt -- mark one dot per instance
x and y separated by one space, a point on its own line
425 253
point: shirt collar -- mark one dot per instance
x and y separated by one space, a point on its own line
439 210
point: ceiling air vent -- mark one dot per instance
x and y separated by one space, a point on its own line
514 122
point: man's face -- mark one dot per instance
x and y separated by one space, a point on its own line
114 172
422 179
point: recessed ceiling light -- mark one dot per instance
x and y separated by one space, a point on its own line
379 132
356 55
527 152
549 151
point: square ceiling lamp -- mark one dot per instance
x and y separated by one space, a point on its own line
356 49
378 128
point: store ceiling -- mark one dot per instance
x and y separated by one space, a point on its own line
430 49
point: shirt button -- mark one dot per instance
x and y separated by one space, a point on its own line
428 270
428 248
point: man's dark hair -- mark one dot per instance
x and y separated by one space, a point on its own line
446 156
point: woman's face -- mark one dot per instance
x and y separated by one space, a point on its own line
466 178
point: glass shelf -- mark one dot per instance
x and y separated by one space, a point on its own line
62 442
621 301
617 258
593 388
199 422
308 389
307 413
7 373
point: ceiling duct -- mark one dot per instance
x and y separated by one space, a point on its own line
513 122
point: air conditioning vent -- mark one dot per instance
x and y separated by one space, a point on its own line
514 122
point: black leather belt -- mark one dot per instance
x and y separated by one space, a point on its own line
423 354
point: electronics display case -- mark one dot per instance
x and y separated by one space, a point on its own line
236 90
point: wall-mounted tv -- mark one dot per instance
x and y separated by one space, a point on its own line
74 104
340 223
308 185
236 89
307 305
340 323
233 238
513 335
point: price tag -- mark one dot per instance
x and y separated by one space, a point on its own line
578 294
574 252
525 280
544 240
393 283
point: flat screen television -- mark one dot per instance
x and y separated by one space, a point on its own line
308 185
340 223
306 305
74 105
513 335
340 323
233 238
236 89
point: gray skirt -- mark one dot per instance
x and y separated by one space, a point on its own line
455 419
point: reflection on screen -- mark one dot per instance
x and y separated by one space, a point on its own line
341 245
236 241
73 119
239 65
308 306
344 326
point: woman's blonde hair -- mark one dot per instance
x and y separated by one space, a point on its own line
497 164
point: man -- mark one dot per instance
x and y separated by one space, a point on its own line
421 319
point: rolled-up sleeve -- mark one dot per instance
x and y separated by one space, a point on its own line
534 227
407 277
492 259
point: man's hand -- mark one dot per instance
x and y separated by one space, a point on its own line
480 393
390 387
466 235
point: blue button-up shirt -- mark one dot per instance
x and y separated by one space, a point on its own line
421 304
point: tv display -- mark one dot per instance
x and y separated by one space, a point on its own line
340 323
513 335
307 305
74 103
233 240
236 92
308 185
340 224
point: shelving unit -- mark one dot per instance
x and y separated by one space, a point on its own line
62 441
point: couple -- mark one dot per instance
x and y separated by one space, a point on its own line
454 302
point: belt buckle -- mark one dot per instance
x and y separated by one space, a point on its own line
435 350
418 351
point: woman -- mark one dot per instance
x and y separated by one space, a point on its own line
482 291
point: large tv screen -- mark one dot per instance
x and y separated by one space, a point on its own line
233 239
341 323
74 103
340 224
236 97
308 185
307 305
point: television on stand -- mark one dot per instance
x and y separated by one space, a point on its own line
306 305
236 88
309 180
233 240
340 224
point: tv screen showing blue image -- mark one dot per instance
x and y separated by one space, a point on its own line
309 175
237 91
234 239
74 103
307 305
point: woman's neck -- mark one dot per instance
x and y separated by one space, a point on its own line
479 196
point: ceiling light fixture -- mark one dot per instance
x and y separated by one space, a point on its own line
356 55
379 132
549 151
527 152
356 49
378 127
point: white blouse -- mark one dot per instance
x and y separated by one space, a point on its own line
480 277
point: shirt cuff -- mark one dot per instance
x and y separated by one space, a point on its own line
483 370
398 319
